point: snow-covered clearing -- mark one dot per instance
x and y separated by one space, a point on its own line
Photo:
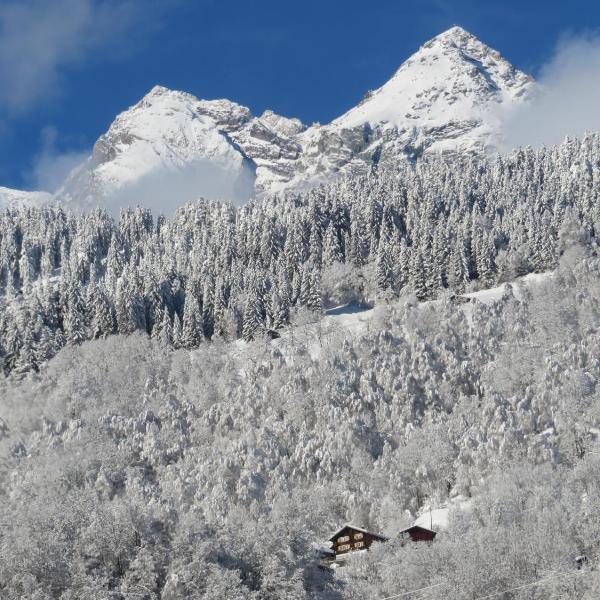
438 518
350 321
494 294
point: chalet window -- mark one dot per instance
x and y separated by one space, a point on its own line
343 539
359 544
358 536
344 547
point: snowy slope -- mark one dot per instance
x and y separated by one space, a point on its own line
13 198
438 518
494 294
351 321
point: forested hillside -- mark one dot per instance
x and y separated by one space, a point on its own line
146 452
215 271
132 470
353 355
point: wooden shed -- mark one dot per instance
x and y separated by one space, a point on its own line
416 533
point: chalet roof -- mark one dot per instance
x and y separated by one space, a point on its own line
415 528
350 526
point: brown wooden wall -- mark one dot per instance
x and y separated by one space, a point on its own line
422 536
358 540
418 534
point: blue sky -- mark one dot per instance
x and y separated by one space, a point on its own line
67 67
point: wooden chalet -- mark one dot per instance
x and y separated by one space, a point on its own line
353 539
416 533
350 538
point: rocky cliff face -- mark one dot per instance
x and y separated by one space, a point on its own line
269 141
448 97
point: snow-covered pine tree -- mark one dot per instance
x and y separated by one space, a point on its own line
101 310
192 331
76 315
253 314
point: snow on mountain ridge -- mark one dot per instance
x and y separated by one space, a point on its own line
166 136
452 73
447 97
168 129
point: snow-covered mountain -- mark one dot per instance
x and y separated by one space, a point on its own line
450 96
165 145
172 147
172 144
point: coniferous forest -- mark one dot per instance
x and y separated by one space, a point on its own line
215 271
155 443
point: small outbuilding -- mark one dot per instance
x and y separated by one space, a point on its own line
416 533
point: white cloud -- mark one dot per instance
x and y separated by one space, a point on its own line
164 190
40 38
567 98
51 165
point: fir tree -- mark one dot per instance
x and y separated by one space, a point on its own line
253 319
192 332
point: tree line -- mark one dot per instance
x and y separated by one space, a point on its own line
215 271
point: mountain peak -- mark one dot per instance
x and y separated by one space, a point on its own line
158 90
458 40
451 79
167 143
455 34
160 94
